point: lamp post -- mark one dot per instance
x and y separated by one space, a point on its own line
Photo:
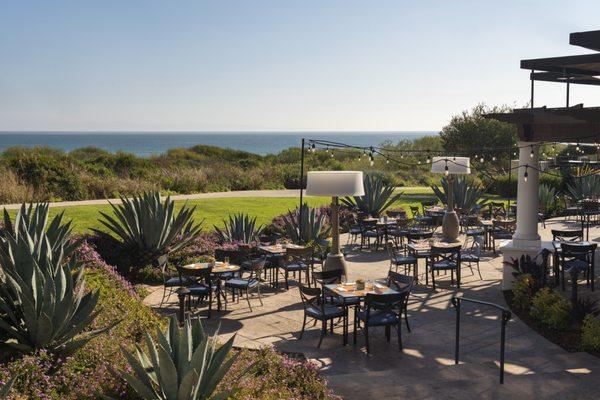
450 166
335 184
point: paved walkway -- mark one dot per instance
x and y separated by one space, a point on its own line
425 369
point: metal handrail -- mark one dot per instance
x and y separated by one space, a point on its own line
506 316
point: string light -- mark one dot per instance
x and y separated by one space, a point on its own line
531 154
446 170
428 158
577 147
481 159
525 175
493 158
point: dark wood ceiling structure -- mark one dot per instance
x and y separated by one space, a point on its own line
562 124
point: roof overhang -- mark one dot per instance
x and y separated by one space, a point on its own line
572 124
586 64
589 40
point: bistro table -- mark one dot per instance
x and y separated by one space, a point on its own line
219 269
274 254
383 223
422 249
348 291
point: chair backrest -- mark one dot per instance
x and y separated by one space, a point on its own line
328 277
497 209
446 250
471 221
298 254
310 296
201 274
396 213
368 224
257 266
590 206
413 236
506 225
415 210
400 283
389 302
575 250
575 235
402 223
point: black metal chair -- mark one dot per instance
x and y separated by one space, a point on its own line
244 285
501 230
322 278
380 310
396 260
445 258
201 287
297 260
577 258
472 254
315 308
400 230
370 230
421 220
402 284
170 283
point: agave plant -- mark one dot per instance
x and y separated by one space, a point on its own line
239 228
378 197
584 187
306 225
547 198
184 364
466 194
149 228
43 304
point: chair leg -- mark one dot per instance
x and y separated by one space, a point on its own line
248 299
303 326
479 271
259 294
323 332
287 284
366 329
355 327
398 327
387 333
406 319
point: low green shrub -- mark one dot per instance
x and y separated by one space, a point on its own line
522 291
590 334
551 309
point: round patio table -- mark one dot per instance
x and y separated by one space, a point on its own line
219 269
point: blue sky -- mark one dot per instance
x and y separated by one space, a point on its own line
275 65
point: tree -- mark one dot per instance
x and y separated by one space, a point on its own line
470 131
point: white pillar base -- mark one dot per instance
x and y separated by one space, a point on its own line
513 250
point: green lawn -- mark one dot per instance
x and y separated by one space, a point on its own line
214 210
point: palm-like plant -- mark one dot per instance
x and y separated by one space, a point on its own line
306 225
184 364
466 194
547 198
378 197
149 228
239 228
584 187
44 305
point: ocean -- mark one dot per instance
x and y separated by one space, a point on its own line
149 143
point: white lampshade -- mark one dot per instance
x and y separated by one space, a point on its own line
456 165
335 183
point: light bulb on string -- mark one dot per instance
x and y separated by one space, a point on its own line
531 153
401 155
428 158
387 160
493 158
577 148
481 159
446 170
331 153
525 175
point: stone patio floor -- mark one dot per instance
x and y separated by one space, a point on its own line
425 369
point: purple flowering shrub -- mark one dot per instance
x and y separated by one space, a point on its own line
275 376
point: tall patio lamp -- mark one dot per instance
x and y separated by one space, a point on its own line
450 166
335 184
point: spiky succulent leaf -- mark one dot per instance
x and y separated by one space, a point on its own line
378 197
239 228
149 228
584 187
306 225
466 193
44 304
184 363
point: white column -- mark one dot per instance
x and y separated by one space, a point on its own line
527 196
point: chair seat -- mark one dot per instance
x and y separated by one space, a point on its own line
329 312
442 265
295 267
239 283
576 264
475 232
403 260
371 234
469 257
200 289
378 318
502 235
354 231
347 301
176 281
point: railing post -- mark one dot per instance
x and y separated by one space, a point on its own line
505 318
456 303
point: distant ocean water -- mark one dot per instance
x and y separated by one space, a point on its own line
148 143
